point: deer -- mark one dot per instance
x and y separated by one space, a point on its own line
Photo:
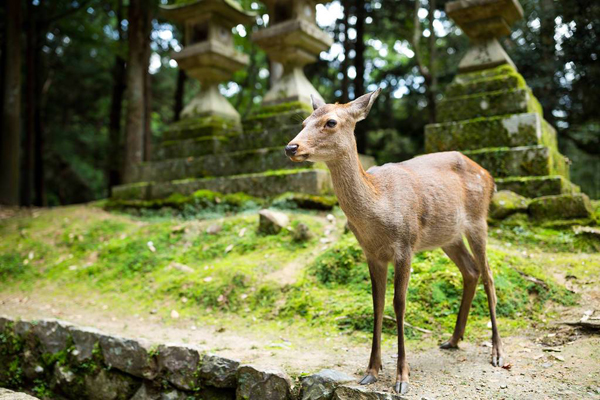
398 209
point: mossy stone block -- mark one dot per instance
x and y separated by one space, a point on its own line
533 186
128 191
224 164
564 206
204 126
505 203
502 131
469 77
502 102
264 184
270 121
306 201
520 161
486 84
195 147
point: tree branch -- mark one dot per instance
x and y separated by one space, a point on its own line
423 70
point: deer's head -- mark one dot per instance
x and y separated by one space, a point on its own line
328 133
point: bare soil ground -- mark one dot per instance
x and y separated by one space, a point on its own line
556 363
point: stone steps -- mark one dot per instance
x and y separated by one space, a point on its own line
533 186
199 127
503 162
516 130
204 145
490 104
233 163
265 184
483 84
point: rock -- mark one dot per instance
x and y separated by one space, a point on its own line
62 378
302 233
84 340
107 385
564 206
254 384
6 394
361 393
210 393
505 203
149 392
272 222
4 322
321 385
23 328
214 229
218 371
181 267
53 335
129 356
179 365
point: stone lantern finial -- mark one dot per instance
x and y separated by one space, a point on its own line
209 54
294 40
484 21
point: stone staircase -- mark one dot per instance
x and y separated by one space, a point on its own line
218 154
492 117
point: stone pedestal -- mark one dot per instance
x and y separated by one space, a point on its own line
490 114
294 40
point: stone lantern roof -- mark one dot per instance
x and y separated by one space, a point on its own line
204 9
485 18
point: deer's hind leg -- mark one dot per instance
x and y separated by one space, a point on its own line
477 237
460 255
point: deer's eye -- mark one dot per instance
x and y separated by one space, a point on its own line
331 123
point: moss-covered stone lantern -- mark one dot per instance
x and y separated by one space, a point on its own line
484 21
209 54
294 40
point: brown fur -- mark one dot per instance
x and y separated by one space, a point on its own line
398 209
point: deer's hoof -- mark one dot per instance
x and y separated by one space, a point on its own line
367 380
498 361
401 387
448 345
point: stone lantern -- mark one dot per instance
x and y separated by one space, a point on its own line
484 21
209 54
294 40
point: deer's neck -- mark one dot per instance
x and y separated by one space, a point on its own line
355 190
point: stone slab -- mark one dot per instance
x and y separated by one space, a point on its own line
502 131
533 186
520 161
225 164
564 206
203 126
503 102
507 78
269 184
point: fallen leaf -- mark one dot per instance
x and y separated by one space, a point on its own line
507 366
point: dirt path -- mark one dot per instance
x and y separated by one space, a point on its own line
572 372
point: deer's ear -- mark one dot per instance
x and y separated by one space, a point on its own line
316 101
360 107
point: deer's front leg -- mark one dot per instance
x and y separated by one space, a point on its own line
401 277
378 272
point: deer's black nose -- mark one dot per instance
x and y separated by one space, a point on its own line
291 149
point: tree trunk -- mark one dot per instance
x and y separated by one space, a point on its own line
432 83
11 108
148 116
139 31
359 64
30 90
116 109
347 47
179 93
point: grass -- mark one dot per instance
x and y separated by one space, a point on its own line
135 261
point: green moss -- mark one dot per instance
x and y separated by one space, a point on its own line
306 201
535 186
505 203
566 206
482 84
521 161
268 111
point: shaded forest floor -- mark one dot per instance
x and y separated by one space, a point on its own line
303 306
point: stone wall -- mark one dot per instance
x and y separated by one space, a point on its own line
51 358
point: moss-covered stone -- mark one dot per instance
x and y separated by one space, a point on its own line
469 77
502 102
137 190
534 186
264 184
202 126
511 80
565 206
505 203
224 164
510 131
520 161
306 201
195 147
